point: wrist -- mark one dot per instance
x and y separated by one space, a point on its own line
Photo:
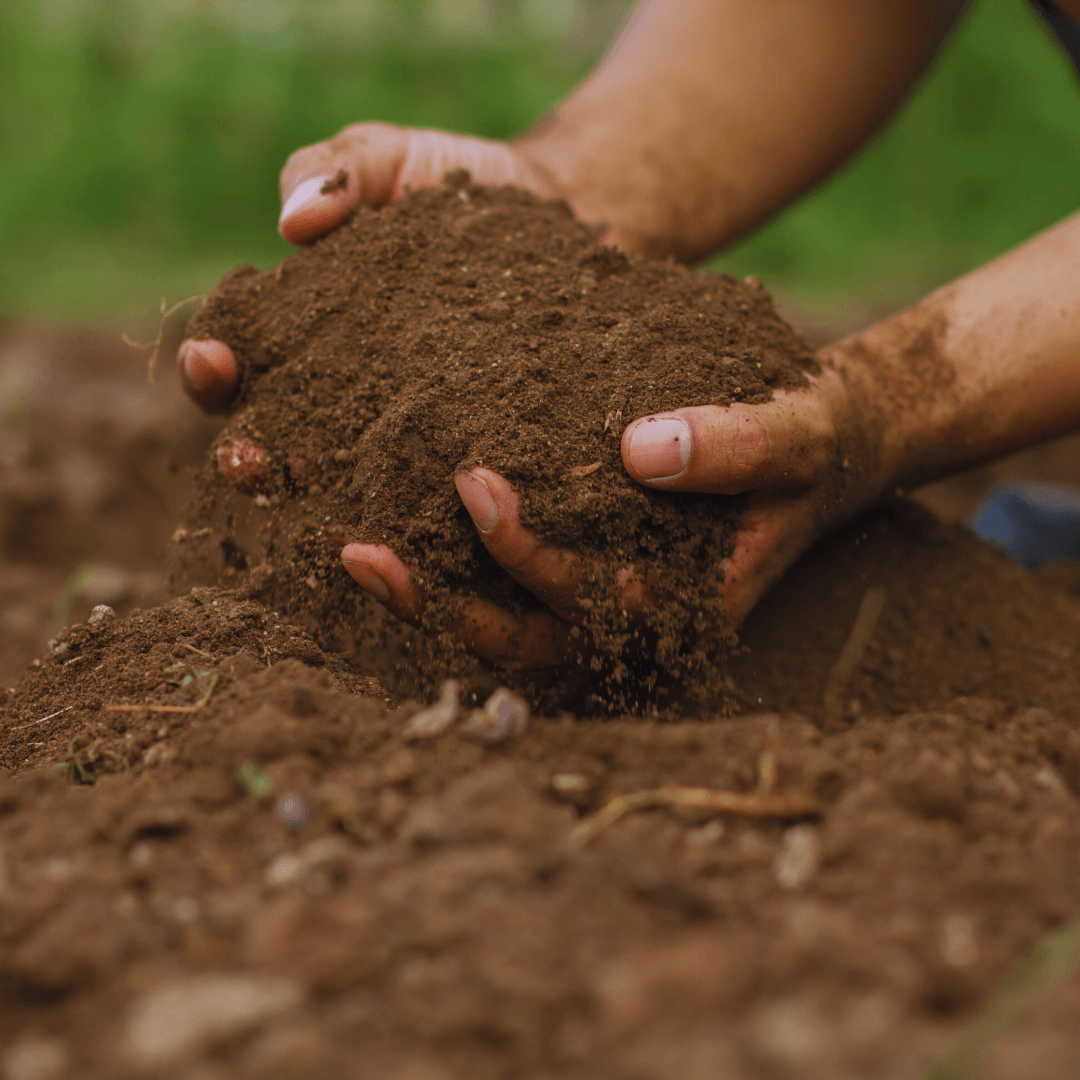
869 449
905 392
563 166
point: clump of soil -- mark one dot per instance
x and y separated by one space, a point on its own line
467 326
102 677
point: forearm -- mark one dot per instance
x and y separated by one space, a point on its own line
707 116
985 366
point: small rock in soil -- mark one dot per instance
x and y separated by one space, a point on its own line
176 1018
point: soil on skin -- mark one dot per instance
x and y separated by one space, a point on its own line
468 326
276 883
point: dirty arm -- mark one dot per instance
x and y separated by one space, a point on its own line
708 116
985 366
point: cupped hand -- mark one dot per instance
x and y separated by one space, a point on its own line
550 573
365 164
789 456
793 457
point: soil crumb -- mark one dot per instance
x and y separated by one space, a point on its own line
469 326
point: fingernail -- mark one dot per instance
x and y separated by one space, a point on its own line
478 501
367 579
302 195
197 369
660 448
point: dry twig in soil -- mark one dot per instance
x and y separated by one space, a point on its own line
756 804
156 343
832 710
168 708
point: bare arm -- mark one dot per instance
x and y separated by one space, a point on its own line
982 367
707 116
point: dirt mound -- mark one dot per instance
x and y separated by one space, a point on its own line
147 673
277 883
263 876
468 326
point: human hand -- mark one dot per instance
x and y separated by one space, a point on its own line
365 164
783 455
793 457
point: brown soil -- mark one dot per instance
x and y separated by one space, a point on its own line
467 326
275 883
94 470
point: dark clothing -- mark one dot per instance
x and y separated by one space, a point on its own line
1034 522
1065 30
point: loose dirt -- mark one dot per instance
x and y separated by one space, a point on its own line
466 326
223 856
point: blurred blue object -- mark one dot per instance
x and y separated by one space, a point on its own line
1034 522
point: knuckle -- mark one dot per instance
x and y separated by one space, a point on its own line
523 561
819 446
745 447
303 162
362 131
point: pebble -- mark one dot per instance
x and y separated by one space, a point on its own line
171 1020
504 716
291 810
436 718
570 783
706 834
959 946
290 866
186 910
101 614
799 856
790 1034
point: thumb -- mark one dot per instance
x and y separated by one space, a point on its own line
322 183
375 164
725 450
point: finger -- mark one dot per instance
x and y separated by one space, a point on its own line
724 450
550 573
535 640
771 537
378 570
317 204
208 374
320 184
375 164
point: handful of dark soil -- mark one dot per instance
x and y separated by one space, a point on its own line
467 326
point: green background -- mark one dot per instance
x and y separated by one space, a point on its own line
140 142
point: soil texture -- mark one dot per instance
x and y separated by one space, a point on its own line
467 326
225 853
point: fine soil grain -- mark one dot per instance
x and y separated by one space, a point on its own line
467 326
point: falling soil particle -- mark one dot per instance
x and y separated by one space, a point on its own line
467 326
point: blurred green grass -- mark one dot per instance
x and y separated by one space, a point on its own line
140 144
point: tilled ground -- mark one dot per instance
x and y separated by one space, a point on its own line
268 877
